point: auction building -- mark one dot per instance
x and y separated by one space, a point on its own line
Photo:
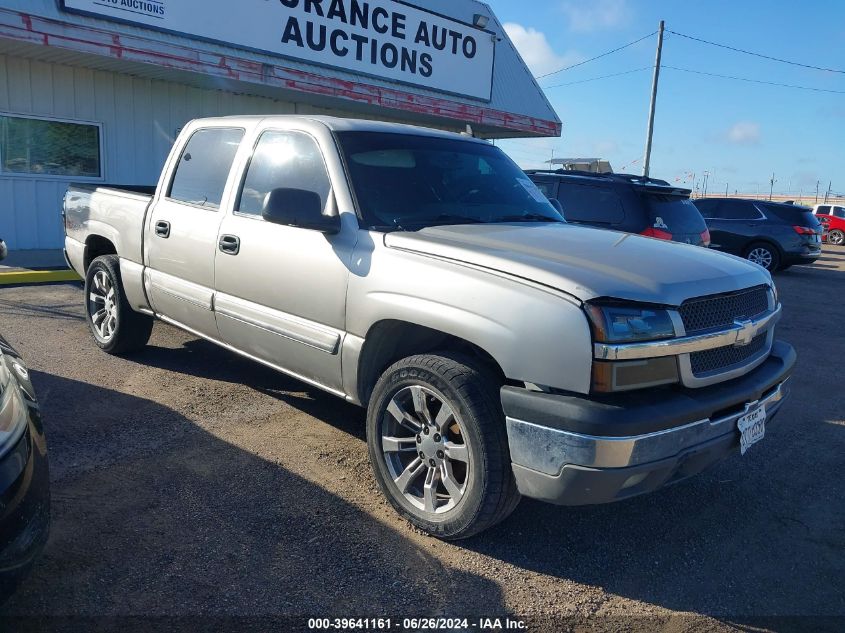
97 90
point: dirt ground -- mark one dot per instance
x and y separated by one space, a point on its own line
188 481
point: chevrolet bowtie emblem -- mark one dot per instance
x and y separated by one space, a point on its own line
745 334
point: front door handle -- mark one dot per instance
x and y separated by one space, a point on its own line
229 244
163 228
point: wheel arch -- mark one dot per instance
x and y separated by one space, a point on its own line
390 340
97 246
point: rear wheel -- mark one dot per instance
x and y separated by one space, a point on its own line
438 444
116 327
836 237
764 255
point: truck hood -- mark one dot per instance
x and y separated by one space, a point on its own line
587 262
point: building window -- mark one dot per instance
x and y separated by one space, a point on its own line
45 147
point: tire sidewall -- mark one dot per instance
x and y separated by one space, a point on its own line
468 508
109 266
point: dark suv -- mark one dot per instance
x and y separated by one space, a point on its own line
624 202
772 234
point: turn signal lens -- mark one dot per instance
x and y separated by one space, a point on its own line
705 237
638 374
657 233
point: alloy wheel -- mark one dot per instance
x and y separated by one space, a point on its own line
102 306
836 237
761 256
424 449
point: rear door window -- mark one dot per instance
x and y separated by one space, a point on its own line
585 203
204 166
838 212
737 210
823 210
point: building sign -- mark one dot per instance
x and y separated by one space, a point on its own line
382 38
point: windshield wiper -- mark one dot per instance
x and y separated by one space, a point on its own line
440 220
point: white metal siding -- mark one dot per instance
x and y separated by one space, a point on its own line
139 120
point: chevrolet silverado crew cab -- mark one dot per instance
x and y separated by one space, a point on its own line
499 351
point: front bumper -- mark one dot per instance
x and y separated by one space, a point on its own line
574 450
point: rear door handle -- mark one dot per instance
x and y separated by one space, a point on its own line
163 228
229 244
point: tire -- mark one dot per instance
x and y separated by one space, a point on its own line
481 491
115 326
763 254
836 237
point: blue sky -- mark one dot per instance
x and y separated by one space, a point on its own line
740 132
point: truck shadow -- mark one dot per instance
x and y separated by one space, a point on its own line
154 516
200 358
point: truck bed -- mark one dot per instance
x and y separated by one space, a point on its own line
115 212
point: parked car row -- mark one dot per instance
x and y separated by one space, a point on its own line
772 235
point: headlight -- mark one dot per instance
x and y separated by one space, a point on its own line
629 323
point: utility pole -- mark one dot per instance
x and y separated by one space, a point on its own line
706 178
827 193
647 160
771 186
726 190
817 193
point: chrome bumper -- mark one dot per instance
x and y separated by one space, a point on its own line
546 450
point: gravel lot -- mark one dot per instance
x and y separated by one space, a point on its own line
188 481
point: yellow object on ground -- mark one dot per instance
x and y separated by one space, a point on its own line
25 276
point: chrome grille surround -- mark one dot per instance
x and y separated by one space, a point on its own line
713 314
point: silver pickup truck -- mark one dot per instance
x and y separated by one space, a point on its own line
499 351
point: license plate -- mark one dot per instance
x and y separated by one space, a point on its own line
752 428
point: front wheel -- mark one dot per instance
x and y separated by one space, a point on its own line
116 327
764 255
438 444
836 237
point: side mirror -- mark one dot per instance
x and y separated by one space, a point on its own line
300 208
557 205
3 250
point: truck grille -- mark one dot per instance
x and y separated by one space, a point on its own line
721 359
720 311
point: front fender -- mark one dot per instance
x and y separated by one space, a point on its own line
535 334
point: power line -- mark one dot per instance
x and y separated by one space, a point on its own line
583 81
769 57
555 72
756 81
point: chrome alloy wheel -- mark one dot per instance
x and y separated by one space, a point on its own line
761 256
102 306
836 237
424 449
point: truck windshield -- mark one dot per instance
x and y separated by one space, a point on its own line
407 182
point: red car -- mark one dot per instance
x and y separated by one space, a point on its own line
832 218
